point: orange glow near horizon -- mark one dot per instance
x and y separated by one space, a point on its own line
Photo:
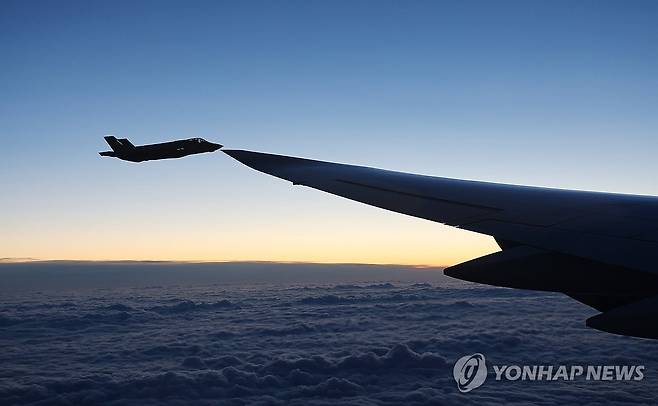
154 213
376 237
440 248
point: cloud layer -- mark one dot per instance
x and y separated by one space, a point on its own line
378 342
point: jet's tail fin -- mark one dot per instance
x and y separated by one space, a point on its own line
126 143
118 144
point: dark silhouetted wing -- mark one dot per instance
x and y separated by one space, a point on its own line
599 248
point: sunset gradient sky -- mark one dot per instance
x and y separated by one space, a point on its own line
550 93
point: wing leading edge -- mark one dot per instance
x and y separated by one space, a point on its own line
598 248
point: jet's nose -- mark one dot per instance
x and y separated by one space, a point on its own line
215 147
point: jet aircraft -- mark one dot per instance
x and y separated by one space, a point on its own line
124 149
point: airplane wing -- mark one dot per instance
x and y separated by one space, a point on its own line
598 248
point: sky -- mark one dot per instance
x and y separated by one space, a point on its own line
549 93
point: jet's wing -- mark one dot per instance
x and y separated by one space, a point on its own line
599 248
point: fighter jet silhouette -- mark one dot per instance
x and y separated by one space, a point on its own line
124 149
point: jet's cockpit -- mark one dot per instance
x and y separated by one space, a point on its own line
199 140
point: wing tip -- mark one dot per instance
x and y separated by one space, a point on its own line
264 162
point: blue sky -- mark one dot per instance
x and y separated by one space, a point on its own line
560 94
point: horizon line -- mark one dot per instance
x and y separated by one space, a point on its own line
9 260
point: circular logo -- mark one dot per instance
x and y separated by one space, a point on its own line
470 371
